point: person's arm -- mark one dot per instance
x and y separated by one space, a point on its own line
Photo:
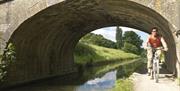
164 44
146 43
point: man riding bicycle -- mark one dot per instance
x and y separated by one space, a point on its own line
154 41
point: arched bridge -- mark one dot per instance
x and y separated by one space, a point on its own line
45 32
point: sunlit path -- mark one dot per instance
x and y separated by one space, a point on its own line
142 82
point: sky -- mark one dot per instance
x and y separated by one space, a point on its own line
110 32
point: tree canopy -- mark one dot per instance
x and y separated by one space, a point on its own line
98 39
132 40
119 38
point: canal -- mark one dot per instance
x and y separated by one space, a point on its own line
98 78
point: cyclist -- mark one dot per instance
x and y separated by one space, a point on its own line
154 41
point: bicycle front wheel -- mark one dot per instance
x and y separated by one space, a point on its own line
157 72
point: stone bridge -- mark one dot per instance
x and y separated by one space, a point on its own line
45 32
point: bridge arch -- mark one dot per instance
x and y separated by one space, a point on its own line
45 42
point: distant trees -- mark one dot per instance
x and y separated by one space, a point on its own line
119 37
98 40
132 38
132 42
129 41
128 47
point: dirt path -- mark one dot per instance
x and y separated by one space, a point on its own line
142 82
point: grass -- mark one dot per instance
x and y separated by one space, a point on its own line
123 85
126 84
85 53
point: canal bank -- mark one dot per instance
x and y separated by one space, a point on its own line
94 78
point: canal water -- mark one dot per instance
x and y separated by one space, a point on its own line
101 78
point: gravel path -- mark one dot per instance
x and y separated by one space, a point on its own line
142 82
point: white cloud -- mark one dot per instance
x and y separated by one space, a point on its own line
108 33
129 29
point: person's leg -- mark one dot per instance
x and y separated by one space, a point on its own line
159 52
149 61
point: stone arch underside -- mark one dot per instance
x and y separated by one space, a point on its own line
45 42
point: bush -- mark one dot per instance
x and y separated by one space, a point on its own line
8 57
83 49
98 39
130 48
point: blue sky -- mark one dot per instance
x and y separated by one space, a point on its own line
110 32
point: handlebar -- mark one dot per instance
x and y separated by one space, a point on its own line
159 48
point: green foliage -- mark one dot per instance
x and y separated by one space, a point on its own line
10 54
130 48
125 71
83 49
84 52
98 40
122 82
143 53
123 85
132 38
88 52
8 58
125 68
119 39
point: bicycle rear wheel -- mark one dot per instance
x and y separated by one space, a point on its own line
157 72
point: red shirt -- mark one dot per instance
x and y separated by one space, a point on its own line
155 42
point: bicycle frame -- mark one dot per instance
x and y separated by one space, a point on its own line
155 69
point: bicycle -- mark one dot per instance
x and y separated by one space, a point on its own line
155 67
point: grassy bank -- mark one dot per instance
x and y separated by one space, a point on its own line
124 70
123 85
126 84
93 54
89 53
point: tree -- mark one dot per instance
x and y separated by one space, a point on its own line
98 39
128 47
119 40
106 43
133 38
143 53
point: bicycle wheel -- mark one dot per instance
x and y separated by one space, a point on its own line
154 70
157 71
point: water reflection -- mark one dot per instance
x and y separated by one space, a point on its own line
104 83
100 78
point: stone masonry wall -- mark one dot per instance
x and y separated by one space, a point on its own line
14 13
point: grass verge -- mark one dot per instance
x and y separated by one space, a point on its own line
89 53
123 85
